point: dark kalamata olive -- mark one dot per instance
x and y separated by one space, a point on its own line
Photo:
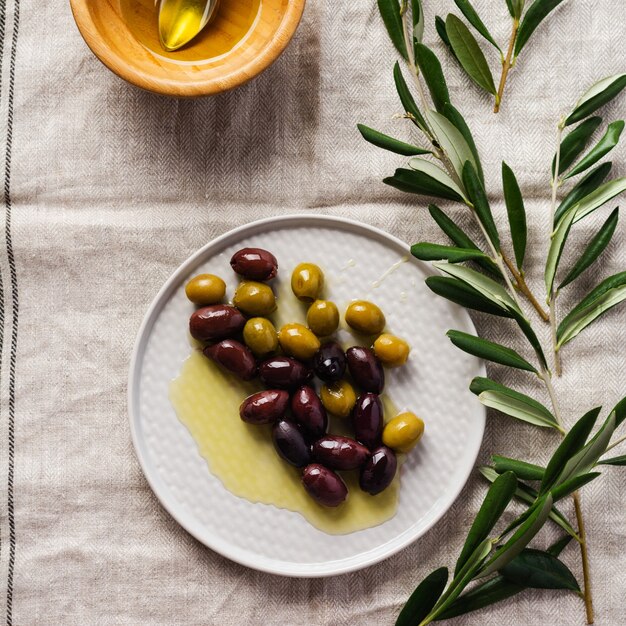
340 453
264 407
284 372
290 443
367 419
254 264
212 323
323 485
233 356
366 369
309 412
330 362
379 470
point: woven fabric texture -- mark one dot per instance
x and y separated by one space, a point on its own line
107 189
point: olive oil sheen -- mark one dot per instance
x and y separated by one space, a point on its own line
227 29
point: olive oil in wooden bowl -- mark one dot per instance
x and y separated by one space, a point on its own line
242 39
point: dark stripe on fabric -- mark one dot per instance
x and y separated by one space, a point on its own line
15 311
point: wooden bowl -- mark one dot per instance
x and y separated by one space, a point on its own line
106 33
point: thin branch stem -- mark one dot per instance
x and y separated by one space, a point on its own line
545 376
585 558
524 288
506 66
615 444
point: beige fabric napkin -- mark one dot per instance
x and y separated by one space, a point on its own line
109 188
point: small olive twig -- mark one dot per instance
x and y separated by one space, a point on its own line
507 64
520 283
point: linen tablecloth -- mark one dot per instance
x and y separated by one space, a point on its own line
108 188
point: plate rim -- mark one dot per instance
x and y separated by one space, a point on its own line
226 549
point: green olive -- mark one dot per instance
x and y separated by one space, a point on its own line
298 341
205 289
307 281
323 318
403 432
338 398
254 298
260 336
391 350
365 317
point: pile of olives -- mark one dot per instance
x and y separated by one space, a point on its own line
242 339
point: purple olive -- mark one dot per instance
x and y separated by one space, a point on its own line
284 372
264 407
378 471
233 356
367 419
290 443
365 368
340 453
323 485
212 323
254 264
309 412
330 362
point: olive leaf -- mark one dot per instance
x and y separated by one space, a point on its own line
440 27
534 520
435 252
433 75
530 334
390 12
457 119
430 169
620 412
539 570
489 350
516 212
602 148
389 143
460 293
586 458
572 484
536 13
418 20
598 198
573 442
412 181
490 289
556 248
522 469
460 238
575 143
473 18
493 590
469 54
594 249
478 198
495 503
589 183
519 406
451 141
424 598
527 494
606 295
596 96
616 460
406 98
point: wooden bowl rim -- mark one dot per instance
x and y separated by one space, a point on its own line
198 87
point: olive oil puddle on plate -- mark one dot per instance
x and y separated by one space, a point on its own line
242 456
233 22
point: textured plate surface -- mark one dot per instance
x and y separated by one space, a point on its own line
359 262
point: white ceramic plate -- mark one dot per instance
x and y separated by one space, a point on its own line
359 261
